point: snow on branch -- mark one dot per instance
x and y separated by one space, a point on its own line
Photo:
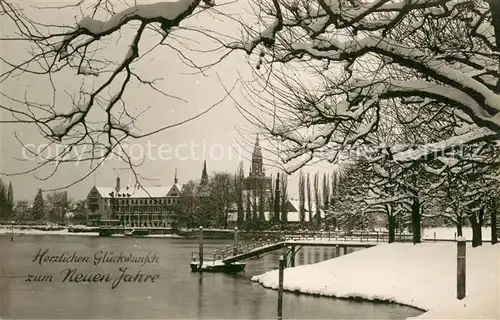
169 14
433 150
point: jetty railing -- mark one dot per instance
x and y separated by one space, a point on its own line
273 239
245 247
207 257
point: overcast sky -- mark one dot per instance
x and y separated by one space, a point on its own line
215 136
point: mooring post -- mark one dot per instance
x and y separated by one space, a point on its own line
235 251
200 253
337 251
434 236
461 268
12 231
292 257
280 288
345 250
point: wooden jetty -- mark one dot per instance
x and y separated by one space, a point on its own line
217 266
229 259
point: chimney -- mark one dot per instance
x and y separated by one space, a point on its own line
117 184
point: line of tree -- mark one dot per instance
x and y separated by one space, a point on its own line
210 205
457 188
53 207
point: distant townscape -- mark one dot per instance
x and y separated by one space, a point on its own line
222 200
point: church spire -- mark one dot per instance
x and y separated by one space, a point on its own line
175 177
257 164
257 151
204 175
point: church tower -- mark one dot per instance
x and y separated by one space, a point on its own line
257 185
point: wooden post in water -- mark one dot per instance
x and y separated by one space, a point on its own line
200 252
235 251
337 251
292 257
345 250
280 288
461 268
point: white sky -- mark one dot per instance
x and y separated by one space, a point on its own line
209 134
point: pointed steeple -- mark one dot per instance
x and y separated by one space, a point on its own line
257 152
257 164
175 177
117 187
204 174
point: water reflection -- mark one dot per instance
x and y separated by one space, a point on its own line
200 296
179 293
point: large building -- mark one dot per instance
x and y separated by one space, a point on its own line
133 206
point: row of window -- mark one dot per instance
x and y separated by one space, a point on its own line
143 201
151 217
142 209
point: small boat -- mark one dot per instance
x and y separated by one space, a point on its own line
217 266
137 233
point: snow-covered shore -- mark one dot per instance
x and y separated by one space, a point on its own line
451 233
422 276
65 232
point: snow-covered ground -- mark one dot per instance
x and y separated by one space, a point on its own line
423 276
64 232
4 230
450 233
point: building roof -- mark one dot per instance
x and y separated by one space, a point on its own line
293 206
138 192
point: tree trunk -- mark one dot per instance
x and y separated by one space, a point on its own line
226 216
241 212
476 227
277 199
392 228
459 226
493 213
480 220
415 220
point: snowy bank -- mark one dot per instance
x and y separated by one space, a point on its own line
451 233
422 276
483 304
63 232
